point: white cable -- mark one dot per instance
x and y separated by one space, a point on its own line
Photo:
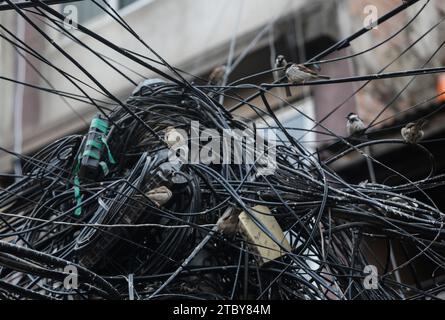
18 100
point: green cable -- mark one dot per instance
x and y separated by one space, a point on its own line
91 153
102 126
99 124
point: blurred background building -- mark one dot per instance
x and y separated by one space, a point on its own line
198 35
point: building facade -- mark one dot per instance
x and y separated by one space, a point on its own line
196 36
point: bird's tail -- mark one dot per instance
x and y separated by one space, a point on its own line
421 123
323 77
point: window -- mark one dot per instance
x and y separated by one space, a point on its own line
124 3
295 122
88 10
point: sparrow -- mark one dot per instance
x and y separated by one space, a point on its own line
173 138
160 195
298 73
217 76
354 125
280 62
413 132
147 84
227 224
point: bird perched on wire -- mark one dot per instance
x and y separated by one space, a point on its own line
354 125
173 138
413 131
160 195
227 224
281 63
298 73
217 76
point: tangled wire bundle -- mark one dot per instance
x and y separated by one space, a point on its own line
135 225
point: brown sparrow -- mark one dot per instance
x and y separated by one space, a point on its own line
217 76
413 132
227 224
298 73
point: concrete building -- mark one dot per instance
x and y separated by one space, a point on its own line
195 35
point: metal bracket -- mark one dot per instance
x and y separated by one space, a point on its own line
30 4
